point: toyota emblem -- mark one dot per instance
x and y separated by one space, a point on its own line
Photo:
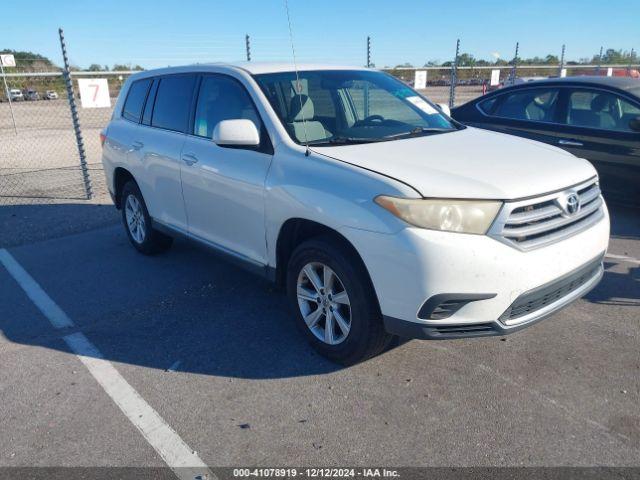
573 204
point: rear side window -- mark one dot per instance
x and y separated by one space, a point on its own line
135 100
532 104
601 110
173 102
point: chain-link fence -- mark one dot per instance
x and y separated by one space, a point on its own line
39 155
472 82
48 153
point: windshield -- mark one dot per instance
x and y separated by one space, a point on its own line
349 106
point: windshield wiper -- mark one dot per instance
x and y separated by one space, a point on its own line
416 132
356 140
344 141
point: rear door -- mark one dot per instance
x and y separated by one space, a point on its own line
595 126
158 145
527 112
224 186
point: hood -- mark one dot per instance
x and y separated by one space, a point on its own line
469 163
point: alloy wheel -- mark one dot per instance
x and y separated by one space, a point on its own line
324 303
135 219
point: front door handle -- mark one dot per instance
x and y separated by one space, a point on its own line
189 158
137 145
570 143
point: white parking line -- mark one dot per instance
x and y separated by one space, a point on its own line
184 461
38 296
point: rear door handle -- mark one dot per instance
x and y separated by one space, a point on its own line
137 145
189 158
570 143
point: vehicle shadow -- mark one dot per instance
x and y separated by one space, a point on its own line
625 221
186 310
622 289
617 286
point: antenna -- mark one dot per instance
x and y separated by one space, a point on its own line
298 84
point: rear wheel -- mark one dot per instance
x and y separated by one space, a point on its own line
336 306
137 223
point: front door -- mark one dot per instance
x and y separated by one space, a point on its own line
223 187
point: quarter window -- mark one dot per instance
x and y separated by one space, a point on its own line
599 109
487 105
532 104
222 98
135 100
173 102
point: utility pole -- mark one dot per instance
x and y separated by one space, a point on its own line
599 62
366 85
74 117
248 47
561 61
514 66
454 76
368 52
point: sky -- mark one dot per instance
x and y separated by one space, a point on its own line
156 33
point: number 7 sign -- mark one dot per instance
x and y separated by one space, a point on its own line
94 92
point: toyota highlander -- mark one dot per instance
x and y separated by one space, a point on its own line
375 211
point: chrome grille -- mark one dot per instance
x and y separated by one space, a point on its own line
536 222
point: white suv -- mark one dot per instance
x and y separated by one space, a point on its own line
378 213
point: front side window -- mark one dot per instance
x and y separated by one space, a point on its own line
532 104
135 100
601 110
327 107
173 102
222 98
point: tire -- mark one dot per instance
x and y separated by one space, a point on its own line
142 235
366 336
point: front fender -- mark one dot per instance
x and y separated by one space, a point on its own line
329 192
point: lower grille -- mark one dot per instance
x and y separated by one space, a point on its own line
539 298
465 330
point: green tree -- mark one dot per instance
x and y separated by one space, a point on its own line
27 61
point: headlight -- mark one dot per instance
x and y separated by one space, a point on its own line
449 215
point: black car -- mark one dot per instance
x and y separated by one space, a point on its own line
597 118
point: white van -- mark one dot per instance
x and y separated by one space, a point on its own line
378 213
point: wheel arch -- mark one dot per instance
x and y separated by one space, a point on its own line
120 178
295 231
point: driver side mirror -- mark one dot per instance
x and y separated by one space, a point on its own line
236 133
444 108
635 124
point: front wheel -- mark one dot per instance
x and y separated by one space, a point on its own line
137 223
335 303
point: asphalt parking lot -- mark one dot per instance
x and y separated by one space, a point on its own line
212 349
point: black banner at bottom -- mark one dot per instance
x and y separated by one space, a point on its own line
405 473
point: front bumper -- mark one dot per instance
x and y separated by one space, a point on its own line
529 308
414 265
